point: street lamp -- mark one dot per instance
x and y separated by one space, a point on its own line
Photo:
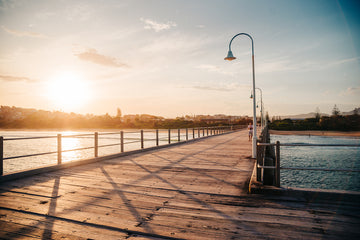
261 109
231 57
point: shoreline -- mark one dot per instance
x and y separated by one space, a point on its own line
316 133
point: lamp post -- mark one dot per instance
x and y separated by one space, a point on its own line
231 57
261 108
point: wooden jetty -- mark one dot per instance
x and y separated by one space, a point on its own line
197 190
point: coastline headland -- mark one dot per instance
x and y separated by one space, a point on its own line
317 133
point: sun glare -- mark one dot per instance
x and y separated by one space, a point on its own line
68 90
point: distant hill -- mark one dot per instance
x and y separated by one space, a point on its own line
351 112
313 114
303 116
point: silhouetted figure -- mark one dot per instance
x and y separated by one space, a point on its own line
250 128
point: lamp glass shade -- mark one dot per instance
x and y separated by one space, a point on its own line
230 56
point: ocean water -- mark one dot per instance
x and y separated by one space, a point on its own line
319 157
34 146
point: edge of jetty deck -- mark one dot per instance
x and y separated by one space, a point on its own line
196 190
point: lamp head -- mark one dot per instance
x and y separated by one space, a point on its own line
230 56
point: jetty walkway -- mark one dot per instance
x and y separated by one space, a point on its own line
197 190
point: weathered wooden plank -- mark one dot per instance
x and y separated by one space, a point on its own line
20 224
192 191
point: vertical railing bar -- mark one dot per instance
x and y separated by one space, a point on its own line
122 141
178 134
1 156
142 138
169 135
258 157
277 163
187 134
59 149
96 144
198 132
157 137
193 130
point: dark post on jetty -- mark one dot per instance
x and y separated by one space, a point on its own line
1 155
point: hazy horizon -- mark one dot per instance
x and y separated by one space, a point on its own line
167 58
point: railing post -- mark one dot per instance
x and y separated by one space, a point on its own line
187 134
122 141
157 137
207 131
169 135
193 133
96 140
203 132
277 164
1 156
59 148
178 134
142 138
259 162
198 132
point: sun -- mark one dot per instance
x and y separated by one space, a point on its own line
68 90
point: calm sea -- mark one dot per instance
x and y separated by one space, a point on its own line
34 146
320 157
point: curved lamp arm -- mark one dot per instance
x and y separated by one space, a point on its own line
230 55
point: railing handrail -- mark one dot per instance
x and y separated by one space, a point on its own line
172 137
261 163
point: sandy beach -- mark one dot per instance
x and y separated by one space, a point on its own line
316 133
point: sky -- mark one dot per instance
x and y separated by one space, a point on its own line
166 58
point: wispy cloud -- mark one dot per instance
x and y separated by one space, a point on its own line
213 68
225 87
156 26
344 61
351 91
8 78
91 55
180 43
78 12
285 64
23 33
213 88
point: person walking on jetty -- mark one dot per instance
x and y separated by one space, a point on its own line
250 128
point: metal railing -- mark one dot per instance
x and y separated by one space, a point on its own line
275 165
169 136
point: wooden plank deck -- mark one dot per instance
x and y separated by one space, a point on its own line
192 191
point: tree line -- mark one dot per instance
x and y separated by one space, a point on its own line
24 118
335 122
